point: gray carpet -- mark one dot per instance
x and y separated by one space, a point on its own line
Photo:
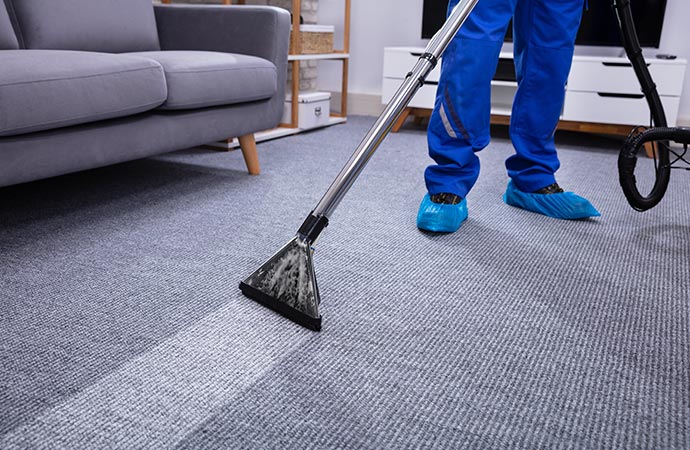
122 325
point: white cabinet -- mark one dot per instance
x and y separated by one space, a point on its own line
600 90
398 61
616 75
606 90
622 109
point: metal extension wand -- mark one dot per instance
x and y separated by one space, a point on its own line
287 282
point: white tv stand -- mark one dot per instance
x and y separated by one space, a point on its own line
602 95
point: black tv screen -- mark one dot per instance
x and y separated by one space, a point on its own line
599 24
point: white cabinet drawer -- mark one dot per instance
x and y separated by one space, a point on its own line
618 77
501 96
425 97
598 108
397 62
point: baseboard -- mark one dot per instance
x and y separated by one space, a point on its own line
359 104
683 121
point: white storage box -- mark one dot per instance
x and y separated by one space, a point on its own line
314 110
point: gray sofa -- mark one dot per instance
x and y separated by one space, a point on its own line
88 83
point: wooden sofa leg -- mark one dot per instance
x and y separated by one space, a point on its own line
251 157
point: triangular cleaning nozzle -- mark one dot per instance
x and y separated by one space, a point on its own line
286 283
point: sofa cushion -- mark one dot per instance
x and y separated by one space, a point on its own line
46 89
8 41
201 79
112 26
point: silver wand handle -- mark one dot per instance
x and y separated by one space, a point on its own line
414 81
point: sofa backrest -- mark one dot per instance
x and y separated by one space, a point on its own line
111 26
8 40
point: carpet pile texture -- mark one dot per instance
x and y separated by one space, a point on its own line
122 325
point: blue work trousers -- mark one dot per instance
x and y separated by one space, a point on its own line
544 34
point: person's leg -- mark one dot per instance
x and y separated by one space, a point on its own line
544 41
459 124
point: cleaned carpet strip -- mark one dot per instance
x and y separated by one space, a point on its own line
158 397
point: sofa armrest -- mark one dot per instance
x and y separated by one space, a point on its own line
262 31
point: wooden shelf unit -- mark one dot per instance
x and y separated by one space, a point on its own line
296 57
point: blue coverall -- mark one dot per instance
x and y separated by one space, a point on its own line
544 40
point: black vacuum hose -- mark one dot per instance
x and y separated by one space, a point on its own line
627 160
628 156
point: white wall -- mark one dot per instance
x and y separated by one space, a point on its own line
375 24
380 23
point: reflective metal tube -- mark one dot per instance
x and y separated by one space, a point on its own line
415 79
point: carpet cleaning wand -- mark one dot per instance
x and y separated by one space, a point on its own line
286 283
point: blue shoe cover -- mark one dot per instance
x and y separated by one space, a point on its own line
441 218
566 205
